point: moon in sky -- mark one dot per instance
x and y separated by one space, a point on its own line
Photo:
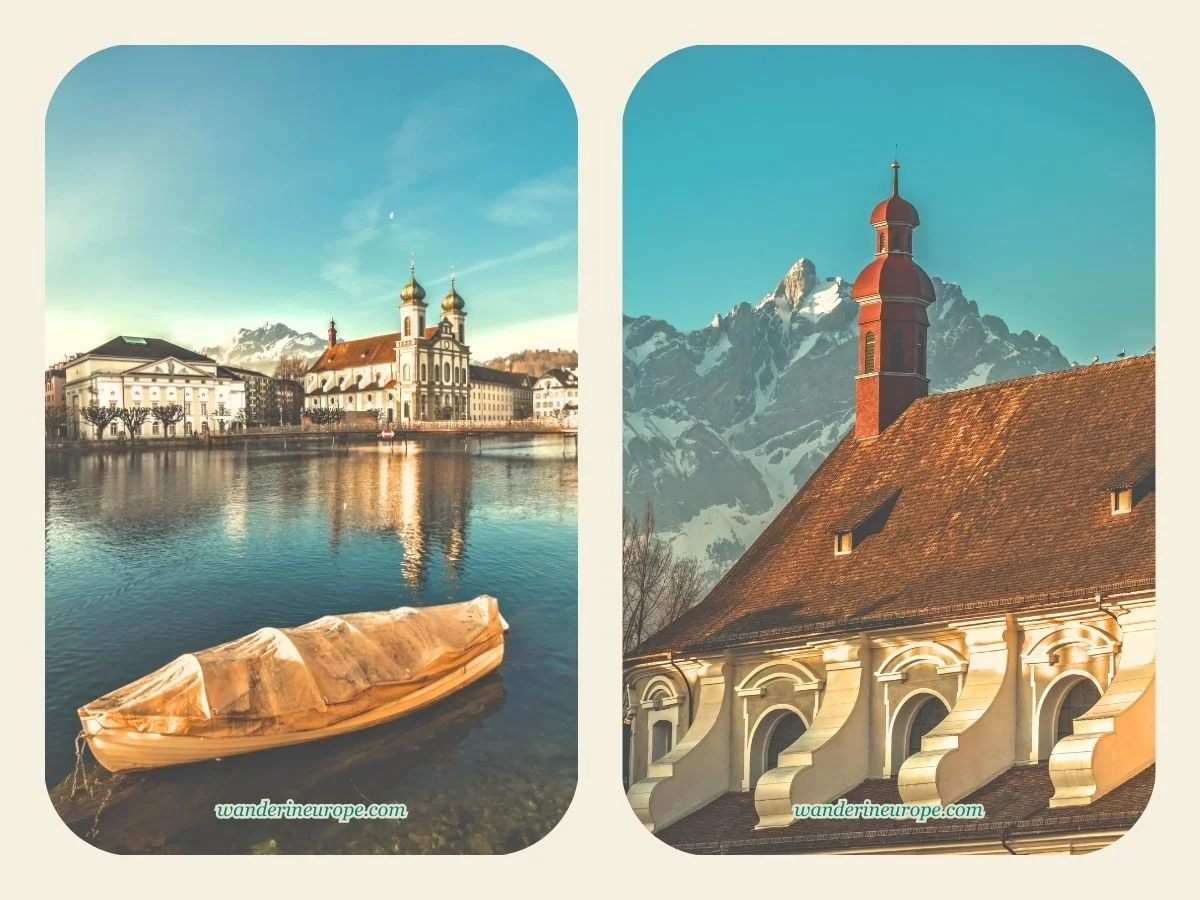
391 215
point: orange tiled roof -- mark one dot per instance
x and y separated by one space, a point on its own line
996 500
377 350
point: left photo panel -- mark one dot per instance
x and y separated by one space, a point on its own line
312 423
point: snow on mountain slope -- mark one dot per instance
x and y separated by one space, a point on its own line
260 348
723 424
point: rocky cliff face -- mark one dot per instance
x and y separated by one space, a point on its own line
260 348
724 424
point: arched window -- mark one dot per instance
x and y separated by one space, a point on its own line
407 372
446 372
931 713
869 353
882 241
422 373
1079 700
896 363
786 732
920 354
662 735
407 326
407 410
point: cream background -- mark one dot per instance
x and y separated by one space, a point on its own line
599 51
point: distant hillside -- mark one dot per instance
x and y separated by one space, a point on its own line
534 362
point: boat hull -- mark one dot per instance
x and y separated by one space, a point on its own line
122 750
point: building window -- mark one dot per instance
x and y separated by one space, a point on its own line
1122 501
920 354
446 370
662 738
1079 700
930 714
882 241
843 543
869 353
897 352
787 731
407 326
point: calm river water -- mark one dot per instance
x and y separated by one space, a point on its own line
152 555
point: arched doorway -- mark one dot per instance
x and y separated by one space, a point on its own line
1066 698
916 716
1079 699
776 730
928 717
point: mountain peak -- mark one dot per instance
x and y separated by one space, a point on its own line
799 280
264 345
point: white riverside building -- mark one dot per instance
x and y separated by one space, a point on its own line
556 395
419 373
138 371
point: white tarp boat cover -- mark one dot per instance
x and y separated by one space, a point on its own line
280 680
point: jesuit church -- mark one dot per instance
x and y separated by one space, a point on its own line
421 372
958 606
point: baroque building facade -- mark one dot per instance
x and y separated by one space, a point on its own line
958 606
421 372
135 371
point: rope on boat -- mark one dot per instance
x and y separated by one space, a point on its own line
94 831
79 773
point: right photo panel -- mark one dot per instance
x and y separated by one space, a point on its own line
889 450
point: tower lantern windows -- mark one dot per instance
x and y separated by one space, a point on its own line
869 353
882 241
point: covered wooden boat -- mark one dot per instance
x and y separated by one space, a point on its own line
281 686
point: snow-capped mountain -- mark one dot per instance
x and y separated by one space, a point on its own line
723 424
260 348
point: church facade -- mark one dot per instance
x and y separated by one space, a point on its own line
422 372
959 606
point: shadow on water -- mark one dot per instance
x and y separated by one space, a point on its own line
172 809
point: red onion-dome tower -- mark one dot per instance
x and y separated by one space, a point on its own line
892 293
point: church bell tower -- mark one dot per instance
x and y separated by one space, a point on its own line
892 293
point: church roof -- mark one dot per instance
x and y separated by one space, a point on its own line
371 351
992 499
1016 805
896 276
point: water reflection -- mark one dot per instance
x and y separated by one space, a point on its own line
151 556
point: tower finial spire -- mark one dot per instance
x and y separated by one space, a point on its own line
412 262
451 276
896 173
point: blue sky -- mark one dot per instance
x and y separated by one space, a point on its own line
191 191
1032 168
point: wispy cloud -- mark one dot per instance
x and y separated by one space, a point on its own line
537 201
533 251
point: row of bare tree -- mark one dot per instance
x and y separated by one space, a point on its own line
657 587
133 417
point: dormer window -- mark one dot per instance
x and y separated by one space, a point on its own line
865 519
1129 485
1122 501
843 543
